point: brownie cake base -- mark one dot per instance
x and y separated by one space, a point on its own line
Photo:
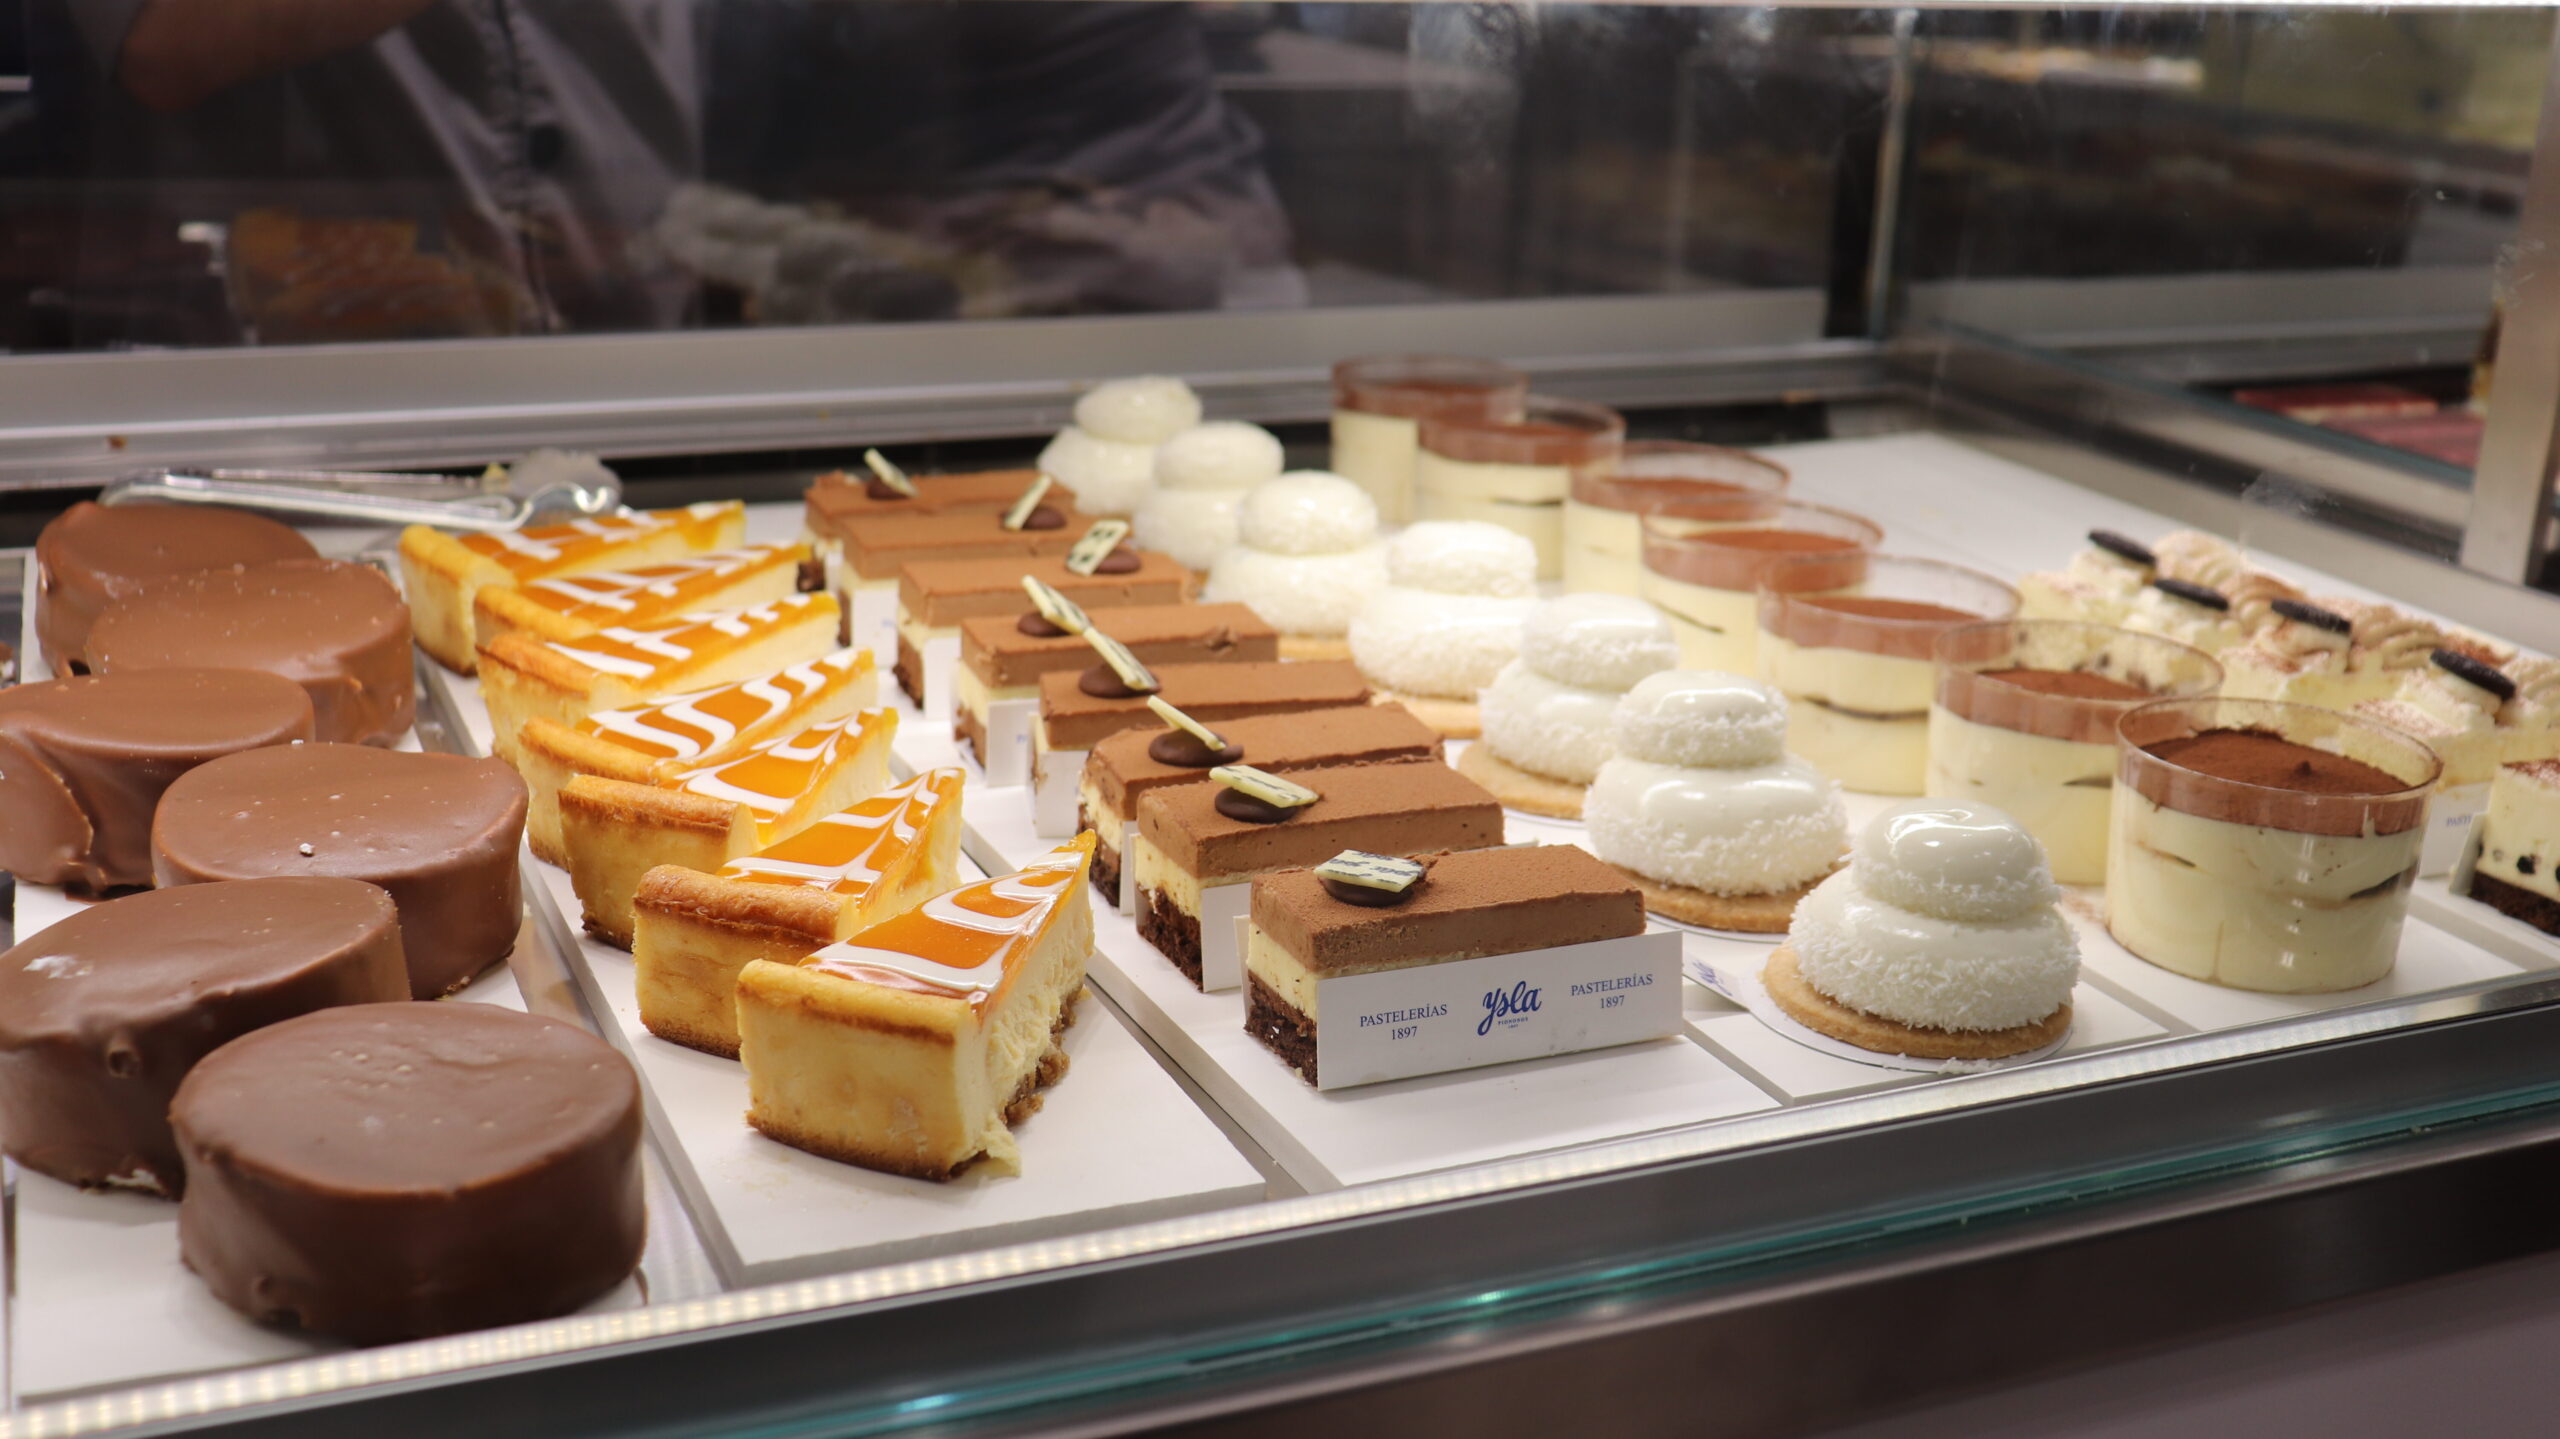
1174 934
2517 902
1280 1027
909 669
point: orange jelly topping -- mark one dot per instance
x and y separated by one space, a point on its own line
966 944
849 851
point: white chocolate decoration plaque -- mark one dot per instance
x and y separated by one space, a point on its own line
889 474
1097 545
1020 514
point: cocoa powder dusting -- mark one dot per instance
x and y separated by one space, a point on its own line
2070 684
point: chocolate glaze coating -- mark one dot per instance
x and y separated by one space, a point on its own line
437 830
1045 517
1235 804
91 556
84 761
337 629
876 488
1182 747
102 1015
1368 898
1036 625
1121 561
1104 683
393 1171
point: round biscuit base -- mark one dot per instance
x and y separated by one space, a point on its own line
1454 719
1824 1015
1314 647
1517 788
1769 913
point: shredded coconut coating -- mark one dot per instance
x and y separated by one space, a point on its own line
1546 726
1442 646
1310 595
1701 718
1308 512
1147 410
1107 477
1957 860
1193 526
1601 642
1220 455
1918 969
1756 829
1463 557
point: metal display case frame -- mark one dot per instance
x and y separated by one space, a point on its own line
2193 1181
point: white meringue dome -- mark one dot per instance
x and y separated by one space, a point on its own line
1307 556
1221 455
1463 557
1702 794
1703 719
1945 919
1106 477
1449 618
1549 710
1146 410
1308 512
1202 475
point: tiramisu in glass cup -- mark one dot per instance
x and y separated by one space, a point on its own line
1604 512
1379 403
2264 846
1856 659
1704 571
1515 471
2025 719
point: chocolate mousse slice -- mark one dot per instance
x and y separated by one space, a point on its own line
1136 762
839 502
876 549
936 596
1073 716
1003 656
1469 904
1194 840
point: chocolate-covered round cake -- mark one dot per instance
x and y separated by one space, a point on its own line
84 760
92 555
336 628
439 831
103 1014
394 1171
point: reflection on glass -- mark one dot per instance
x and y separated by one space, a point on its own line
214 172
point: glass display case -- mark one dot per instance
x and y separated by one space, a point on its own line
1984 279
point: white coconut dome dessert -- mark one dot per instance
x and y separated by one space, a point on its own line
1547 715
1202 476
1449 618
1108 456
1702 806
1941 940
1306 559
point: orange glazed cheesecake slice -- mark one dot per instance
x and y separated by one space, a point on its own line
567 606
646 743
692 932
564 681
915 1045
703 817
444 573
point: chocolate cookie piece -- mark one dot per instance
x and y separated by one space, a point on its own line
84 761
102 1015
394 1171
437 830
337 629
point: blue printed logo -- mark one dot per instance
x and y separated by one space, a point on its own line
1512 1006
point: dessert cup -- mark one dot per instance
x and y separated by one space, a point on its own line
1380 401
2025 719
1850 646
1604 512
1515 471
1704 571
2264 846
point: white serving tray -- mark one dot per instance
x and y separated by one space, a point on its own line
1117 1142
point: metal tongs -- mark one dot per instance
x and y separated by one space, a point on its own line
498 500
